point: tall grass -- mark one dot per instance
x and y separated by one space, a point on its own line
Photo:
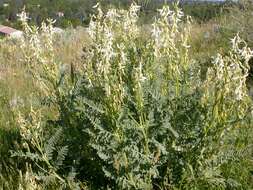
134 112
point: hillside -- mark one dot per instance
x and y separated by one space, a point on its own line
74 13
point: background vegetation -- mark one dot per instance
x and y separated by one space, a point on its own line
129 105
78 12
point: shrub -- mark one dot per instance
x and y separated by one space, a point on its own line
136 114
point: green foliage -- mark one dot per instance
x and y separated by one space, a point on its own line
138 112
78 12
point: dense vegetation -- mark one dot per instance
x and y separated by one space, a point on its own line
127 105
77 12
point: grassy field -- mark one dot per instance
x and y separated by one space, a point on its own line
127 105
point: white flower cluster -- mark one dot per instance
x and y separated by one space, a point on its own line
166 31
31 129
229 73
105 29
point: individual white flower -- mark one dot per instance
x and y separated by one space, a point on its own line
112 14
219 64
239 91
207 35
23 16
